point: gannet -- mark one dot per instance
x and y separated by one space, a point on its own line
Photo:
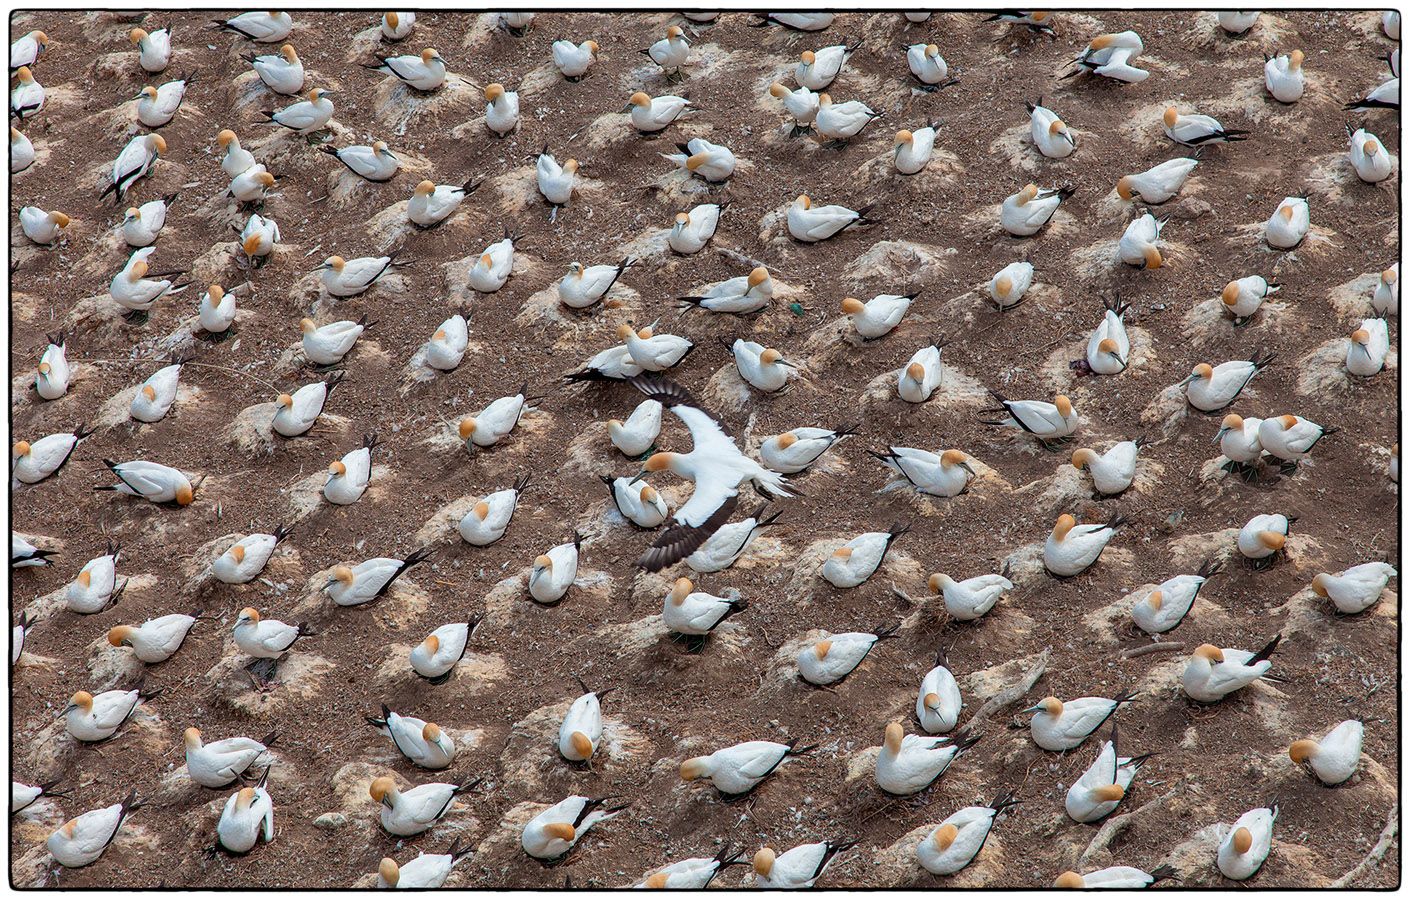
928 67
693 874
409 812
1196 130
712 162
1050 134
956 842
1289 223
21 151
1158 183
431 203
350 277
653 352
1165 607
573 60
493 424
23 796
435 658
692 230
1212 388
913 149
306 116
220 763
842 121
1243 297
370 579
857 560
1213 673
809 223
155 640
261 27
835 656
154 48
448 343
501 109
247 557
1111 471
348 477
247 819
1291 437
584 286
1385 300
1057 726
424 71
1385 95
251 187
326 345
96 584
554 572
1009 285
1367 348
726 545
555 831
32 462
878 316
299 411
737 770
142 224
794 21
938 702
1369 157
638 433
92 718
27 96
794 451
1114 878
423 743
27 49
24 555
946 474
1334 758
1101 788
649 115
801 104
555 182
51 379
918 380
154 482
671 52
969 599
1045 421
1137 246
266 640
1026 213
1357 589
801 867
636 501
910 763
816 69
282 72
1245 847
695 614
428 870
135 161
580 733
1282 76
375 163
1109 347
397 25
80 841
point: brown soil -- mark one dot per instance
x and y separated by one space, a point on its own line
668 704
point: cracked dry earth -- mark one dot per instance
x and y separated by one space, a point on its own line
937 231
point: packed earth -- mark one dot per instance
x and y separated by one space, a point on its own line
334 331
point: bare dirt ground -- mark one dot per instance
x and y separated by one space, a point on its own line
937 231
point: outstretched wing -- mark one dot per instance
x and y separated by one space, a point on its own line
681 540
